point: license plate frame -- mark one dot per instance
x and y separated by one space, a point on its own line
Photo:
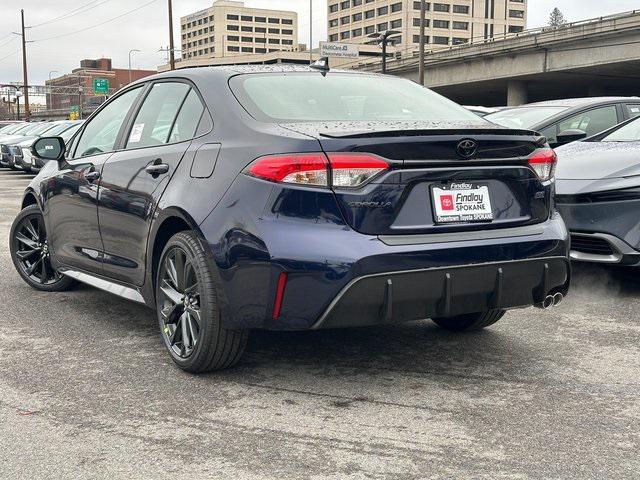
463 209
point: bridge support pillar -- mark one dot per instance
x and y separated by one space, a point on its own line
516 93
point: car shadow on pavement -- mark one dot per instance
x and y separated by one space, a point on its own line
605 280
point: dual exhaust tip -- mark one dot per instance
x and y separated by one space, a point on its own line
551 301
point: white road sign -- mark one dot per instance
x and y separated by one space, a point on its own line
342 50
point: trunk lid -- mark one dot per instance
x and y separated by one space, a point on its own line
427 155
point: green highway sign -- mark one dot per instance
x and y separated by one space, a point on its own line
101 86
73 108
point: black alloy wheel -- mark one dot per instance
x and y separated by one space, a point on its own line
188 306
180 303
30 252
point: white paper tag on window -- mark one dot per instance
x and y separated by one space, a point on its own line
136 133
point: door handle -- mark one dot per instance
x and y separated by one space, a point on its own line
92 176
157 168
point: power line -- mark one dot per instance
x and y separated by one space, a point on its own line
11 54
10 40
71 13
97 24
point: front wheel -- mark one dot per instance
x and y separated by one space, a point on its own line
470 322
188 309
30 253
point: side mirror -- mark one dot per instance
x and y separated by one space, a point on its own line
569 136
49 148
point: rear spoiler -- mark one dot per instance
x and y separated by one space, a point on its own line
427 132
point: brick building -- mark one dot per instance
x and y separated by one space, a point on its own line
76 88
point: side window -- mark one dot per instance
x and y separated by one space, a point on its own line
157 114
633 110
551 133
188 118
101 132
592 121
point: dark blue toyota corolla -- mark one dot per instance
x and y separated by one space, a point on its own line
293 198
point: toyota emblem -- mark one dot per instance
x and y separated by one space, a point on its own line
467 148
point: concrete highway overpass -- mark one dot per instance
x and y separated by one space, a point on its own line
589 58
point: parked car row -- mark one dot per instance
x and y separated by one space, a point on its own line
16 140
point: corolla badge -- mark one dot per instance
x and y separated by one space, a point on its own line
467 148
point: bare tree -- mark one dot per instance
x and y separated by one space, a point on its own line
556 19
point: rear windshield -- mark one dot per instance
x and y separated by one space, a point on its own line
523 117
308 97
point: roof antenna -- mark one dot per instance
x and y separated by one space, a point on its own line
322 64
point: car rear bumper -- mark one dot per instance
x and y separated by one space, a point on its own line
604 232
337 277
445 292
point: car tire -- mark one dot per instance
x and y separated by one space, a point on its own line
30 252
189 317
470 322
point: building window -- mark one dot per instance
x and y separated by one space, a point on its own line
275 41
516 13
244 28
416 22
356 32
344 35
416 6
333 23
233 38
287 21
344 5
344 20
232 17
233 28
461 25
333 8
260 40
396 23
396 7
459 41
515 29
247 39
441 7
383 11
416 39
356 17
333 37
287 32
246 18
261 30
369 14
274 20
287 41
440 24
247 50
369 30
383 26
274 30
233 49
261 50
461 9
261 19
441 40
357 3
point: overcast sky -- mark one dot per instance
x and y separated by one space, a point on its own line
146 29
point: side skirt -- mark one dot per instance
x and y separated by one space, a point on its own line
115 288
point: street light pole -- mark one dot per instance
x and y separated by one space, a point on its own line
130 52
423 8
50 97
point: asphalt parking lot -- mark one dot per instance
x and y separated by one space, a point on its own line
86 391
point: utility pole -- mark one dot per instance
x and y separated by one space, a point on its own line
130 52
27 113
310 31
50 106
172 60
423 9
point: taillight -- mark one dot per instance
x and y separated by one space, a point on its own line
543 163
354 169
346 170
300 168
